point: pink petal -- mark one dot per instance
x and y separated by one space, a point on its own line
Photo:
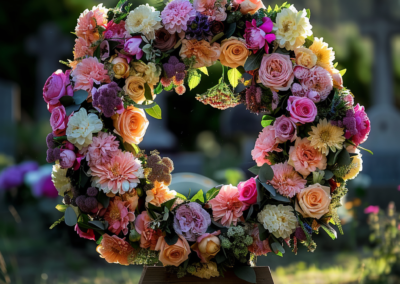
267 25
270 37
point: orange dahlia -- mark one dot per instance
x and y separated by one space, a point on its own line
115 250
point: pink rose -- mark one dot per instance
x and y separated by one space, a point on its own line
285 129
247 192
57 86
276 71
302 110
59 121
132 47
67 159
265 143
258 37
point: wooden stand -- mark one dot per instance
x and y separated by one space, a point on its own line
159 275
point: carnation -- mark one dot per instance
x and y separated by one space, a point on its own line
177 14
82 48
143 19
60 180
102 149
159 194
278 220
286 180
215 9
81 127
88 72
292 28
265 143
88 22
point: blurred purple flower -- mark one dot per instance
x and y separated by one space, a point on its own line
13 176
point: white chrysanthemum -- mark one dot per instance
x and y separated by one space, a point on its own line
81 127
59 177
143 19
291 28
278 220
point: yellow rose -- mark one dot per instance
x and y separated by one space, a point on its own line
138 68
305 57
120 67
134 87
234 52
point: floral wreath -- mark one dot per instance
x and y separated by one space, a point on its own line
118 196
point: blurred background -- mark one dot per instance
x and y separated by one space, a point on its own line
36 34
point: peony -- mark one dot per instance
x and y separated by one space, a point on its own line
206 54
120 67
234 52
57 86
305 57
59 121
302 110
207 246
143 19
285 129
174 254
247 192
258 247
317 79
88 72
305 158
165 41
250 6
278 220
176 15
132 47
324 54
159 194
115 250
226 206
131 125
314 201
276 71
258 37
215 9
292 28
102 149
191 221
88 22
286 180
81 127
362 124
118 216
120 175
326 136
60 179
265 143
67 159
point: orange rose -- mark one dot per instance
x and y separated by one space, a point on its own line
120 67
175 254
206 54
131 125
314 201
250 6
234 52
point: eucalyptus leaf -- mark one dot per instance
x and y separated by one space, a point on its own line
80 96
260 191
250 212
171 239
255 169
70 217
67 101
266 173
240 88
98 224
281 198
220 257
246 273
270 188
328 174
70 109
277 247
343 158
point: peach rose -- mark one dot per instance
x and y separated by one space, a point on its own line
175 254
206 54
305 57
131 125
134 87
207 246
276 72
234 52
250 6
314 201
120 67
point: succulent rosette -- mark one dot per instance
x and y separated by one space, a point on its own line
117 195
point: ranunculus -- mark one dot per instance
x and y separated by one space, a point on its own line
134 87
314 201
132 47
164 41
250 6
247 192
285 129
131 125
206 54
234 52
175 254
207 246
120 67
302 110
57 86
258 37
265 143
67 159
305 57
276 71
59 121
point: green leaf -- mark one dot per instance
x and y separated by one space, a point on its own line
212 193
332 157
281 198
266 173
328 175
308 13
231 29
343 158
219 258
369 151
171 239
203 69
70 109
70 217
254 169
147 92
155 208
121 3
103 199
253 61
198 196
329 230
246 273
97 52
168 204
267 120
194 79
57 222
155 111
250 212
83 179
99 240
98 224
61 207
158 89
308 43
277 247
270 188
181 196
335 65
67 101
342 72
260 191
145 106
80 96
217 37
233 76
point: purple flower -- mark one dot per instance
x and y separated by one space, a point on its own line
106 100
174 68
13 176
350 123
191 221
45 187
28 166
53 155
258 37
50 142
285 129
199 28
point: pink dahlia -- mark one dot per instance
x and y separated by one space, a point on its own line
88 22
315 79
258 247
226 206
102 149
87 72
176 15
215 9
118 216
363 125
286 180
82 48
265 143
121 174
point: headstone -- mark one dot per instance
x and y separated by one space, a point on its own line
10 114
49 45
185 182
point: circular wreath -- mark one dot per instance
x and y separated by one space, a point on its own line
118 196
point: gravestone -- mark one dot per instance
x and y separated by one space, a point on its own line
10 114
184 183
49 45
